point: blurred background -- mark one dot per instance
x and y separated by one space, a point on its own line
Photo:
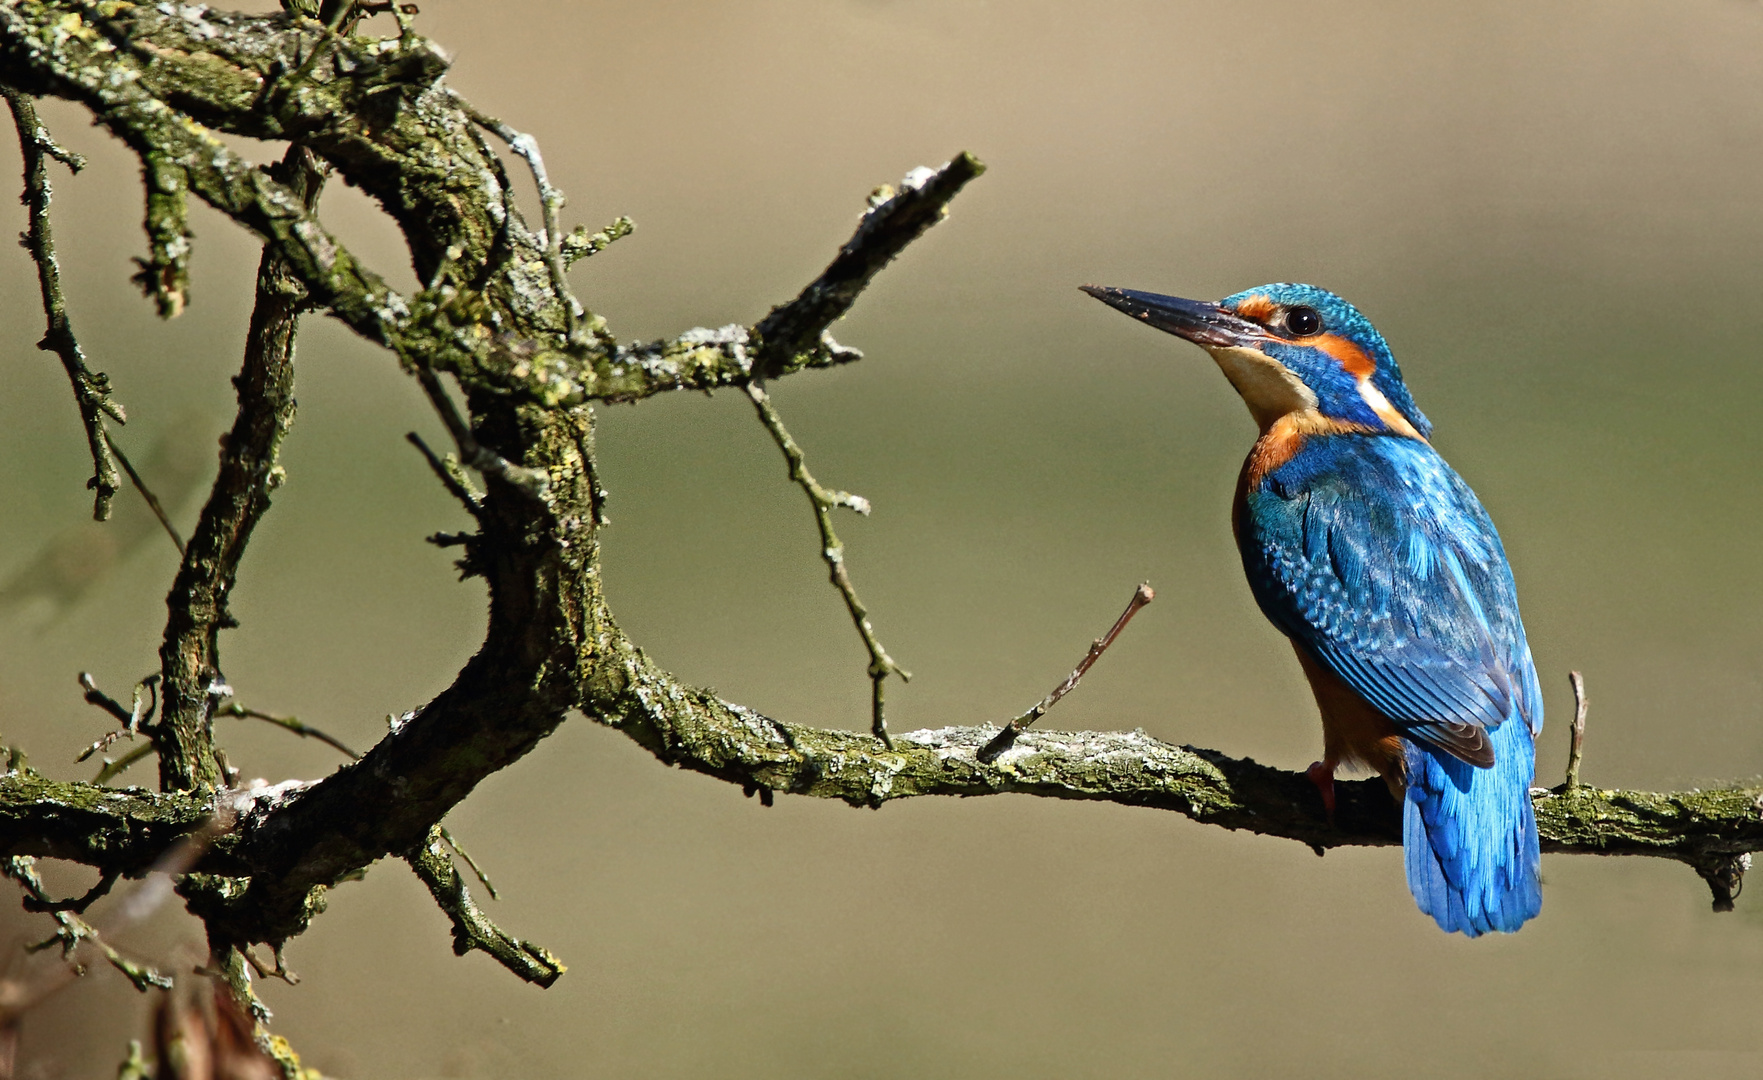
1552 213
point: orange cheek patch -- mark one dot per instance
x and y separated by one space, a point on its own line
1345 353
1257 307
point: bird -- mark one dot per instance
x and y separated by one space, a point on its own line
1369 552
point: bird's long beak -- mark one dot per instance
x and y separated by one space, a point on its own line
1199 321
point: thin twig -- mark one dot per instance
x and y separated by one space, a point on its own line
1576 732
990 752
895 218
581 244
881 665
550 201
135 720
41 904
95 696
534 482
91 390
145 704
113 769
460 851
20 990
287 723
145 492
452 478
265 971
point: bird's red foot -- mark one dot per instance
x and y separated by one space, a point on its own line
1321 773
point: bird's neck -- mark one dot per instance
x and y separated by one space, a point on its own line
1277 397
1283 437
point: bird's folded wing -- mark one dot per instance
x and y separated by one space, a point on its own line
1387 570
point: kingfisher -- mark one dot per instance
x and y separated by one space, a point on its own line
1373 556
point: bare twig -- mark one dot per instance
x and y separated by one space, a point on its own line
534 482
137 719
991 751
23 987
881 665
36 902
472 929
277 969
1576 731
550 201
91 390
460 851
146 493
287 723
95 696
113 769
145 702
451 476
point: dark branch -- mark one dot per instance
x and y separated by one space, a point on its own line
250 470
793 336
120 830
472 929
895 218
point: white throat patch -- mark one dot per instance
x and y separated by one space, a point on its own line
1267 387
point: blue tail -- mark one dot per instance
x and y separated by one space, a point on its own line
1470 837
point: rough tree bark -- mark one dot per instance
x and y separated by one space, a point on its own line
497 318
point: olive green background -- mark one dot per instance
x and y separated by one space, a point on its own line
1553 215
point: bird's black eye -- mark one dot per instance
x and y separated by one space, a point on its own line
1303 321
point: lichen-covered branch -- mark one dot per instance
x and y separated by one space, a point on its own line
895 218
91 390
472 929
249 471
165 272
694 730
122 830
793 337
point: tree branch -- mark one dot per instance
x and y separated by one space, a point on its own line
832 549
793 337
472 929
692 729
249 471
91 390
794 333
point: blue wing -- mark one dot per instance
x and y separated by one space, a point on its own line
1375 555
1379 561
